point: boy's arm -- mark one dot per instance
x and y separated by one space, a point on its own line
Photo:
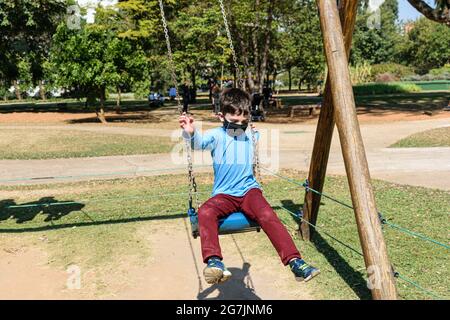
201 142
197 140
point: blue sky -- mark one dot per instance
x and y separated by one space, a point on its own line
407 11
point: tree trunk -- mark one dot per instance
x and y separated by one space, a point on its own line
290 79
275 74
42 90
437 15
194 85
256 52
17 90
247 70
268 33
119 92
101 114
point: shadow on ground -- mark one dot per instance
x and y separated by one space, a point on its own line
51 208
239 287
54 210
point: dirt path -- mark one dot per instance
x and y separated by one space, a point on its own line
173 271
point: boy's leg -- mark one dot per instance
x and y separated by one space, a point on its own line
209 214
256 207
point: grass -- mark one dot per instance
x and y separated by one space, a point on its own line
439 137
385 88
100 228
50 144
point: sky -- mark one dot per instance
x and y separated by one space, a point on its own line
406 11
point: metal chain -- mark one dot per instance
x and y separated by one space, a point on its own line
191 176
170 56
230 42
256 169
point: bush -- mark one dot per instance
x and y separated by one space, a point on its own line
385 88
398 71
385 77
361 73
442 73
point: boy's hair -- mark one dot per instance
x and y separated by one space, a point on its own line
235 101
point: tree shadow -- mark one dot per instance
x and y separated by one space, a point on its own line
55 210
352 277
237 288
50 207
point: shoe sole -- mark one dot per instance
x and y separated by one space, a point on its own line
216 275
312 275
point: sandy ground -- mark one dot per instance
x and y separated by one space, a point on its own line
174 269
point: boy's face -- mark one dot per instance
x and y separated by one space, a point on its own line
234 118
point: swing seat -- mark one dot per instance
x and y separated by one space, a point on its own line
236 222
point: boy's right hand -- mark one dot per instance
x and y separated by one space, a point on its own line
187 123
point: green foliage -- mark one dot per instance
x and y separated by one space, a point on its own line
397 70
443 71
26 29
426 46
300 43
24 74
361 73
385 88
377 44
95 57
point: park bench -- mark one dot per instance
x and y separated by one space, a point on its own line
310 107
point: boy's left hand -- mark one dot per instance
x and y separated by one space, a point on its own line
253 127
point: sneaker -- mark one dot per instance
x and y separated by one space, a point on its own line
215 271
302 271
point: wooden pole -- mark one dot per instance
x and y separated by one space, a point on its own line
324 131
381 279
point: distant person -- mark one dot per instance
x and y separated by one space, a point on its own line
216 98
172 93
211 84
267 94
185 93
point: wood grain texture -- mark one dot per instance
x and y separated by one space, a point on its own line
369 226
324 131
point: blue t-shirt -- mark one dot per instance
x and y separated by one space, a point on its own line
232 160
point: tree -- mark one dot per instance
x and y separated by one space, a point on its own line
26 29
376 44
440 13
92 59
301 43
253 26
426 46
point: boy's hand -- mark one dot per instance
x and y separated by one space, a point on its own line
187 123
253 127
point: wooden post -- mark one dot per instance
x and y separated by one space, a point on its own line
381 279
324 131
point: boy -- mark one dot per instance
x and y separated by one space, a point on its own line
235 188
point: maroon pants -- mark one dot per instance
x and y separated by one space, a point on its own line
256 208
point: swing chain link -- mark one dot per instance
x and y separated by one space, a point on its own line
170 56
191 177
230 42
